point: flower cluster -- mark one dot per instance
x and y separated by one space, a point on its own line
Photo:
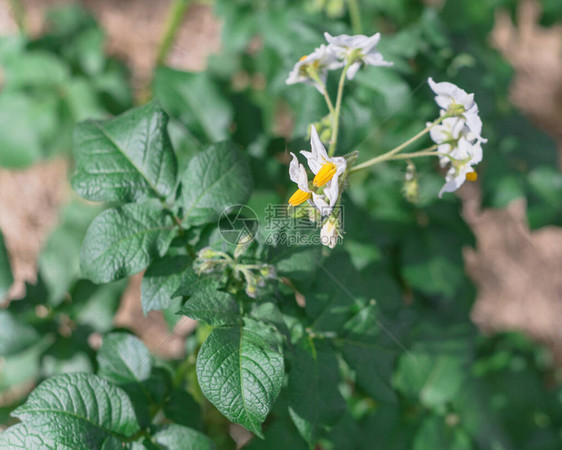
458 136
342 51
457 133
253 276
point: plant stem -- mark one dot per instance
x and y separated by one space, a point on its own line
314 75
388 155
355 15
425 152
175 17
336 116
329 102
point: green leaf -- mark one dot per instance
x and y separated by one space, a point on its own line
123 241
432 260
373 365
215 179
189 284
161 280
181 408
433 379
59 261
125 159
20 140
24 437
388 84
339 290
123 358
364 350
314 399
280 434
95 305
177 436
34 69
211 305
388 428
241 370
15 336
435 433
79 411
6 277
297 262
194 99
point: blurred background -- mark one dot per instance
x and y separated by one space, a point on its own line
484 267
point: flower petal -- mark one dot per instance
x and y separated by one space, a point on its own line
369 42
297 174
448 93
352 70
376 59
322 205
318 149
332 190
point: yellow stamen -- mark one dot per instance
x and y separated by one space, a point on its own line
471 176
299 197
325 174
303 57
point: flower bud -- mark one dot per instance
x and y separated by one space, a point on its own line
330 234
411 190
205 267
268 271
207 253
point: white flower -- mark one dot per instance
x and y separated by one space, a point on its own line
327 170
446 135
447 94
359 48
454 100
297 174
329 234
463 157
320 60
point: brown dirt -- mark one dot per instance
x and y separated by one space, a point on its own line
517 273
152 329
536 55
134 29
29 206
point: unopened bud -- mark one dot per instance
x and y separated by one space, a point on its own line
206 253
240 248
330 233
411 190
268 271
205 267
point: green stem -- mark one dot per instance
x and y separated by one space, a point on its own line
328 102
336 116
425 152
314 75
175 17
355 15
388 155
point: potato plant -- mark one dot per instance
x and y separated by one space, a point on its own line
322 262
